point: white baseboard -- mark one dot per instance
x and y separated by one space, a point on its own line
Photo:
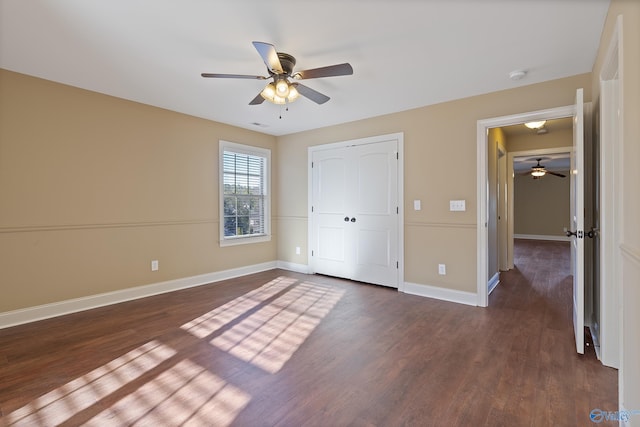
452 295
542 237
46 311
495 280
291 266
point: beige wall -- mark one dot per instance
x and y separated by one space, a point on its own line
95 187
439 165
92 188
531 141
629 253
541 206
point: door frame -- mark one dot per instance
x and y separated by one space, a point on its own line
399 137
482 181
609 127
504 199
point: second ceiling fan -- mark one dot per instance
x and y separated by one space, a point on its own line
538 171
281 90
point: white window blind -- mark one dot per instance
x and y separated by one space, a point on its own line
244 192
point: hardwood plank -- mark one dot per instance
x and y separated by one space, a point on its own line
286 349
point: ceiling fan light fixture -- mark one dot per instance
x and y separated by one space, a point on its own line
538 172
293 93
536 124
279 100
282 88
269 92
280 92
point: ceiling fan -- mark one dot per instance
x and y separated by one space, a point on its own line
280 68
538 171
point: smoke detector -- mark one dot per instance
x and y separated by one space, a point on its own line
517 74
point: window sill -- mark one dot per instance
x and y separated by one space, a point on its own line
243 240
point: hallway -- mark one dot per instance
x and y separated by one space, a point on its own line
536 296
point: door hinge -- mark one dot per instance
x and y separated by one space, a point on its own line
312 253
311 165
397 210
397 156
397 264
311 209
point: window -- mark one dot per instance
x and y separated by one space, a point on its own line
244 194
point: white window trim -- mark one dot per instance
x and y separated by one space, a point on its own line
254 151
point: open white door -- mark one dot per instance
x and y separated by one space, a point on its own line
577 221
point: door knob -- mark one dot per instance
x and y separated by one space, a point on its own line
353 219
571 233
592 233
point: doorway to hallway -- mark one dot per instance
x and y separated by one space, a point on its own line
486 234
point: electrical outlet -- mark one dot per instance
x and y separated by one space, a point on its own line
442 269
154 265
297 250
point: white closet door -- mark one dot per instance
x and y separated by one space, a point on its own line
355 212
330 204
375 205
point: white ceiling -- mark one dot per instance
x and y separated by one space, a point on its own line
405 53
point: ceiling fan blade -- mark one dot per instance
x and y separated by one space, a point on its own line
329 71
232 76
557 174
312 94
269 56
257 100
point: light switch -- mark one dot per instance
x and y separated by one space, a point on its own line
417 205
457 205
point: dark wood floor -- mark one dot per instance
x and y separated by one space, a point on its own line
285 349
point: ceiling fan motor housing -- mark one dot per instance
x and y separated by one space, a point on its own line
287 62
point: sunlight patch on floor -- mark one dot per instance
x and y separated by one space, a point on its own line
184 395
64 402
223 315
154 385
269 337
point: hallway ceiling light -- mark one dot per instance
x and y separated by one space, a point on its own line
535 125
